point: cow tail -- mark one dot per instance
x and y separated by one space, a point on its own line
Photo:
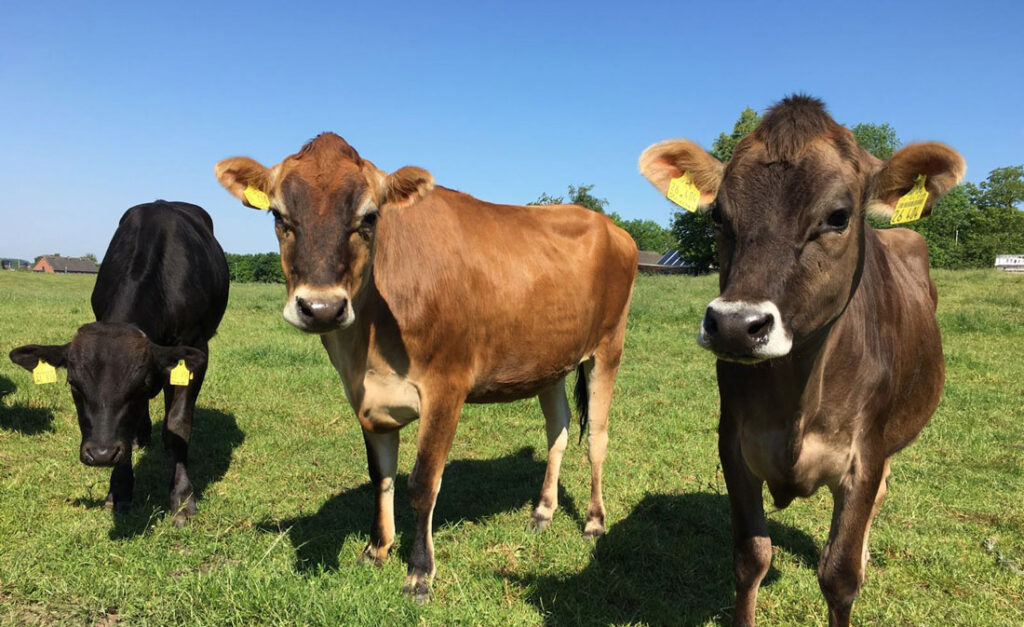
582 400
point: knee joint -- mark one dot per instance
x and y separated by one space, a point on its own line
752 560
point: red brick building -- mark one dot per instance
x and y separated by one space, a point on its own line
65 265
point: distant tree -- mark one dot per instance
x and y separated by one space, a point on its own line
695 239
878 139
255 268
1004 187
946 229
973 223
722 148
648 234
545 199
577 196
581 196
694 233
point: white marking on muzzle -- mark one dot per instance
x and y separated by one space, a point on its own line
315 295
780 341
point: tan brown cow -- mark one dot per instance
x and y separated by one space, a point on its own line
829 356
443 300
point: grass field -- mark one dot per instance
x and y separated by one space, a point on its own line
284 509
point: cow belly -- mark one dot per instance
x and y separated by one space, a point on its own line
389 402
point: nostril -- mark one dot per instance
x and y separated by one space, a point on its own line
342 310
304 307
760 326
710 324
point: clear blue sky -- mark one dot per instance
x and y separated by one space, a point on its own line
103 106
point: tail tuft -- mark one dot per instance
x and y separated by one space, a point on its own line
582 396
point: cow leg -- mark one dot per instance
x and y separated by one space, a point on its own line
144 428
555 406
600 374
751 546
122 485
843 560
437 430
179 407
382 459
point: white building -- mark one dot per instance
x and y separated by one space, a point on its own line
1010 263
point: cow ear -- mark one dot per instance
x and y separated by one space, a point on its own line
166 358
246 180
405 186
942 167
28 357
672 158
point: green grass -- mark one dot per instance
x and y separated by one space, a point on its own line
284 506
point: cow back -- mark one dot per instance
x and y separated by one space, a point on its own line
165 272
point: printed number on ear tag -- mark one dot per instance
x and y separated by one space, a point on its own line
44 373
256 198
910 205
683 192
180 374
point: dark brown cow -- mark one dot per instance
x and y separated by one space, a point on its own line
444 300
829 356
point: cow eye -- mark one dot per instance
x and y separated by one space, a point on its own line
279 221
370 220
838 219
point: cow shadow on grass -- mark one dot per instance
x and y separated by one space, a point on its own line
18 417
669 562
473 489
215 435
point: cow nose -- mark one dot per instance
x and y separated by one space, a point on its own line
737 329
322 313
99 455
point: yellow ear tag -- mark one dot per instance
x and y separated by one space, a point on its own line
44 373
683 192
180 374
256 198
911 204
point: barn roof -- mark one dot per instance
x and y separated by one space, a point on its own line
71 264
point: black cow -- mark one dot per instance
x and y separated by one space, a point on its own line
160 294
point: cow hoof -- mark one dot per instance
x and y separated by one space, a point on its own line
371 555
593 531
117 506
539 524
417 589
181 514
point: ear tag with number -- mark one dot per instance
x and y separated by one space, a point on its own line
44 373
910 205
256 198
683 192
180 374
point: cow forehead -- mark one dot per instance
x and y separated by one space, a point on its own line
334 195
820 167
96 346
326 177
